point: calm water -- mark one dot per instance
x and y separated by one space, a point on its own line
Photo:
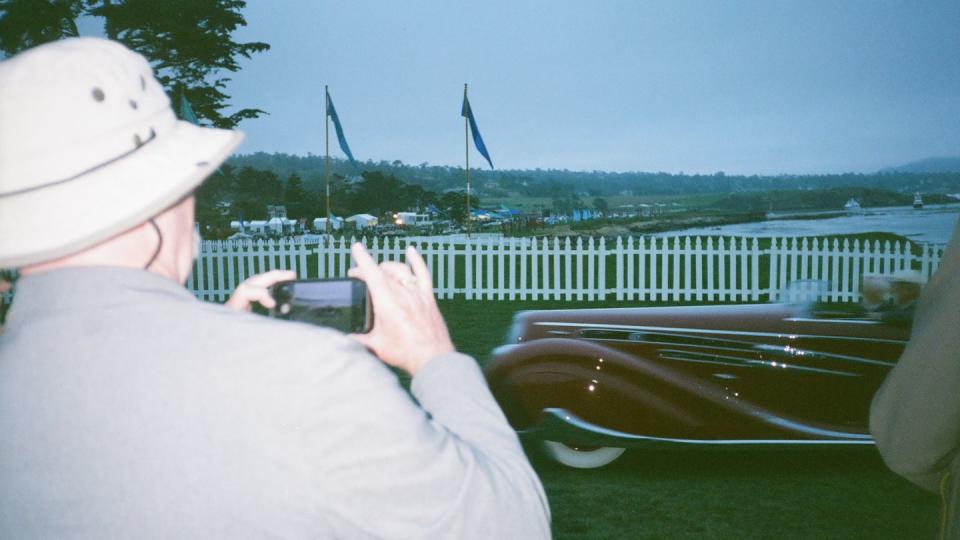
932 223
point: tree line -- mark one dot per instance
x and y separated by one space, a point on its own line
563 184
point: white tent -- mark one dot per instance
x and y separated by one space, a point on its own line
363 221
320 223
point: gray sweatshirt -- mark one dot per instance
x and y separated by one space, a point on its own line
129 409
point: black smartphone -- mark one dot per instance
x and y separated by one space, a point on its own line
342 304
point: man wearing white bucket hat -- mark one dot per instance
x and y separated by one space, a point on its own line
130 409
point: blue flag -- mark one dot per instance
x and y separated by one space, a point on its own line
467 112
186 111
332 113
187 114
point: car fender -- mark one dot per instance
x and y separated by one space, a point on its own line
625 393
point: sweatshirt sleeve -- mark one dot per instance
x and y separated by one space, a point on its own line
449 466
915 416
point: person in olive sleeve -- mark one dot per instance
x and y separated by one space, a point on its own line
915 416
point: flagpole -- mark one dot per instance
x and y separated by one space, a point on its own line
466 145
326 159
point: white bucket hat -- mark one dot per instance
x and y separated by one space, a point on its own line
89 147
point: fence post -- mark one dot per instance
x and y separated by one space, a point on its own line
744 270
490 255
281 253
591 270
520 263
501 271
578 255
698 258
635 259
845 269
347 257
794 260
468 269
535 270
232 256
209 283
711 285
674 280
602 286
545 286
386 250
823 248
877 257
663 254
784 264
618 260
804 258
440 266
853 270
221 276
939 257
323 246
556 268
687 271
719 283
771 267
640 283
451 246
734 287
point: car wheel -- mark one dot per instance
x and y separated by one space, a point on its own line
581 457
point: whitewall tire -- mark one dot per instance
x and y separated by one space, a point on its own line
581 457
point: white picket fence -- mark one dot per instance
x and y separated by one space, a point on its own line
670 269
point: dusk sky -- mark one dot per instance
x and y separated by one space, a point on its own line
747 87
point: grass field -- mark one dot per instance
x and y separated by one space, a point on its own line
708 492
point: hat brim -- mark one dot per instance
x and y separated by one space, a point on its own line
65 218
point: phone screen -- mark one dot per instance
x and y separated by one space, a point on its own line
341 304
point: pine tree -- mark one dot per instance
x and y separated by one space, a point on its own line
188 42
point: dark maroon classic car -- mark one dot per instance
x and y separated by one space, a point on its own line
589 383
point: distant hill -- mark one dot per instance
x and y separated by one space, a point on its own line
928 165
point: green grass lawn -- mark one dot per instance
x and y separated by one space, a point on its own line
707 492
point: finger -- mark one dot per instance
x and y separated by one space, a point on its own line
264 297
419 268
238 300
246 295
366 268
367 271
267 279
396 270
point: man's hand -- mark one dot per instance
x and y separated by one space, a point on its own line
257 289
408 330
